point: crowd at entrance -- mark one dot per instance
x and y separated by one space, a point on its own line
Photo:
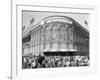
54 61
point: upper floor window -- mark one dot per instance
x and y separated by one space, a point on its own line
26 39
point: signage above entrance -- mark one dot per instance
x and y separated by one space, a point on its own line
56 19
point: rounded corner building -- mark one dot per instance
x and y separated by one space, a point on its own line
56 35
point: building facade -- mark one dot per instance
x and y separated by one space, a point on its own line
56 35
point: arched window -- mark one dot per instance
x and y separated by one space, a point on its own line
62 37
48 33
63 33
54 32
55 36
48 36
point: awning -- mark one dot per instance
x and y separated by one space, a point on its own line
59 50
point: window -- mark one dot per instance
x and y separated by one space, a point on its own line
26 39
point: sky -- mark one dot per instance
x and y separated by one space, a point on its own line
38 16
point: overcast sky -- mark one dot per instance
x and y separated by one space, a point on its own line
38 16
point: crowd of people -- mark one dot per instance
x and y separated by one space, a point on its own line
54 61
